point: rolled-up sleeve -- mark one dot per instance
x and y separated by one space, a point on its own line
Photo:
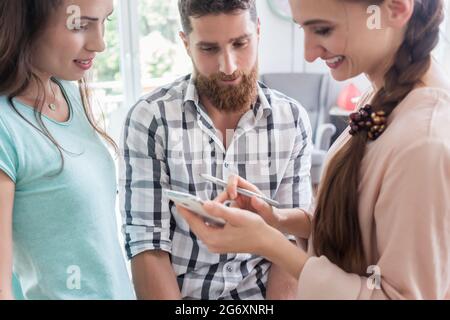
412 225
143 174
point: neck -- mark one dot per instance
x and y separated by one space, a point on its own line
380 67
376 77
224 121
46 93
34 90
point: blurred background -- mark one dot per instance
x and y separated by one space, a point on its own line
144 52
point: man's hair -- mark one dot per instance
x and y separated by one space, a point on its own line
200 8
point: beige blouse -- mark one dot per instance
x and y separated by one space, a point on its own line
404 210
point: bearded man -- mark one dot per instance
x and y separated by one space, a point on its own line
219 121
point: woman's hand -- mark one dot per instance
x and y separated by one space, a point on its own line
245 232
270 214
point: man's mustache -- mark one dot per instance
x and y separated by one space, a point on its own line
224 77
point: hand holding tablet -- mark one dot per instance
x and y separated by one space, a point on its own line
193 204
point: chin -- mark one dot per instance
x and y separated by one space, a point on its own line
343 75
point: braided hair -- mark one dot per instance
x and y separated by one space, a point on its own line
336 231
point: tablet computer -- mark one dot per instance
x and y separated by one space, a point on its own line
194 204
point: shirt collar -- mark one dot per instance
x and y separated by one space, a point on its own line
263 103
191 93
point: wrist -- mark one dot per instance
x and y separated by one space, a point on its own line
285 254
280 220
269 236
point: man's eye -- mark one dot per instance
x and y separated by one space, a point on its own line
240 44
209 49
323 31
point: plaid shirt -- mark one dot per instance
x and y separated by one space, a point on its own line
168 141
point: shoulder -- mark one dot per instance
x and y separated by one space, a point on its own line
4 121
8 116
153 110
417 138
423 115
154 104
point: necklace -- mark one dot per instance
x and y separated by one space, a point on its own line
52 106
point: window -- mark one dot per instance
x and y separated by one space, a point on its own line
107 78
443 51
162 54
142 53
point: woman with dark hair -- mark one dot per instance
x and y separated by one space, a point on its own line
380 228
57 179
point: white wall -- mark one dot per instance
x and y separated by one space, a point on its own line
281 47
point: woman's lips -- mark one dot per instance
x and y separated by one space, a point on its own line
84 64
335 62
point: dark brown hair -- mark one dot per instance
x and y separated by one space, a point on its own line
336 229
200 8
21 24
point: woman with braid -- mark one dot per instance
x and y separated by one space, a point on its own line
380 228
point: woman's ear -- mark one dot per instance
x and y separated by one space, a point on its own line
399 12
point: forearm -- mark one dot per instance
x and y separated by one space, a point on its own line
153 277
5 266
294 222
281 252
281 285
7 189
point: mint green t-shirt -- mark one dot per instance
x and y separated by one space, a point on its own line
65 237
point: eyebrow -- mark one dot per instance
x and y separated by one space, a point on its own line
312 22
89 18
93 18
243 37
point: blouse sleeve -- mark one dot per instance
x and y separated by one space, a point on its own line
412 221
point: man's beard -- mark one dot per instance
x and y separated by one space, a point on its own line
229 98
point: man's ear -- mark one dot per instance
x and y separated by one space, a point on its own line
185 39
399 12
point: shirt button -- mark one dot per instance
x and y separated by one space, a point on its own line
229 269
226 165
